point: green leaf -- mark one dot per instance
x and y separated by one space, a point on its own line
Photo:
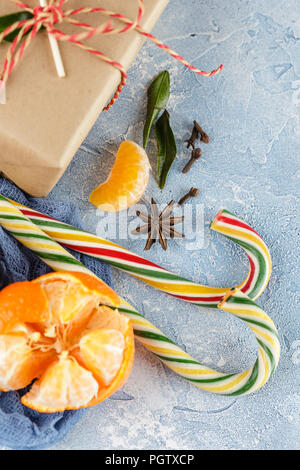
8 20
158 97
167 149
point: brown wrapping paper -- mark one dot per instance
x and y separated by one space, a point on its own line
45 118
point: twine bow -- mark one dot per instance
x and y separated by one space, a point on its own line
54 14
51 14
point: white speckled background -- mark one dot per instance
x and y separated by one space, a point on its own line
251 167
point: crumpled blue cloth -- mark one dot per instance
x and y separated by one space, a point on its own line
21 427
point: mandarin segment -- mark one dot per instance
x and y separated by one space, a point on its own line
106 317
123 374
107 295
103 352
13 350
64 386
19 364
127 181
67 292
66 300
66 296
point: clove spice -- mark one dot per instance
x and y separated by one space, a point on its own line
196 133
196 154
193 192
191 141
203 136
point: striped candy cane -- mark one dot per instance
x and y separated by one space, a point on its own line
143 269
235 302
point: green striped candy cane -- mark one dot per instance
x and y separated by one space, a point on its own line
235 302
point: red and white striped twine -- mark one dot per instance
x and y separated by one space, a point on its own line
53 14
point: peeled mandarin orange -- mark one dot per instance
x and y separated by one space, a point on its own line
127 181
67 337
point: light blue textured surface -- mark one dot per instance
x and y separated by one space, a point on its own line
251 167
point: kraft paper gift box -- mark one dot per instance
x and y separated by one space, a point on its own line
45 118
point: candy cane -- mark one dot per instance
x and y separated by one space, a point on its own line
235 302
141 268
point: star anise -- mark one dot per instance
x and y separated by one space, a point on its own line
159 225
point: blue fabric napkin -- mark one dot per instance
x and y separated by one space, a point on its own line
21 427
